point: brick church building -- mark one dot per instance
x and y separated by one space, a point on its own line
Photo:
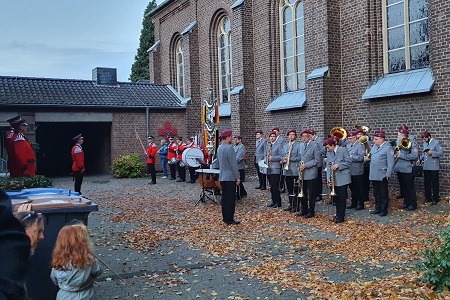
309 64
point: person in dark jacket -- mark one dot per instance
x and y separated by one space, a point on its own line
163 156
14 252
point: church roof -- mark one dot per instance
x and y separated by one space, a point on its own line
29 91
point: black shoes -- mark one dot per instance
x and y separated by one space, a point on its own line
434 202
351 206
302 214
263 189
411 208
359 207
271 204
233 222
404 206
289 208
152 183
180 180
383 214
258 187
172 178
375 212
338 220
399 197
310 215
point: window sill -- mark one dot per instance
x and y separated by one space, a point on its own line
288 100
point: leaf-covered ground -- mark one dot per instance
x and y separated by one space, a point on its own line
367 257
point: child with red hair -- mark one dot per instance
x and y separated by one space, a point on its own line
74 267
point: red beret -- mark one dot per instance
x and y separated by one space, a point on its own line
403 127
259 131
292 130
312 131
380 133
425 134
352 133
305 131
273 133
226 133
403 131
330 141
276 129
238 137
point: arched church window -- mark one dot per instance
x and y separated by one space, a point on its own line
225 59
180 67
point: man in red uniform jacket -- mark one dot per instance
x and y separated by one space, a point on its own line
9 142
151 153
24 158
78 162
171 158
180 165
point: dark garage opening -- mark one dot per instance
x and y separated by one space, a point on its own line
55 146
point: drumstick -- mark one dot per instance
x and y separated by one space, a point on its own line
137 135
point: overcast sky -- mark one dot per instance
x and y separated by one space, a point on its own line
69 38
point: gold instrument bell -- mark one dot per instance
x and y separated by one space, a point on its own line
339 132
365 129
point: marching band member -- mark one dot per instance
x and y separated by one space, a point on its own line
403 167
338 175
151 154
228 177
9 142
310 155
260 154
171 155
356 152
179 150
24 156
78 162
274 170
192 175
366 180
381 167
291 158
239 148
432 151
323 153
280 140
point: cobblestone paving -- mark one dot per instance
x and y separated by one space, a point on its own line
180 270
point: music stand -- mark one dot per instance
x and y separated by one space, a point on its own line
207 192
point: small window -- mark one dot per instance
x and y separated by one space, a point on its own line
225 59
405 35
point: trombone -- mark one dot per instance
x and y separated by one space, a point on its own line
298 186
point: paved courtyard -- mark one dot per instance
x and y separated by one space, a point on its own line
165 247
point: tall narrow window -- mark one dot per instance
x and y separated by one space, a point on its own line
292 43
180 68
405 35
224 48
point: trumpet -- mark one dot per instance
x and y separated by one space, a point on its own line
333 192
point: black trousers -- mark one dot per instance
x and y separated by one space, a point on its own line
292 191
228 200
78 176
152 172
357 188
262 178
407 188
341 201
319 187
431 183
181 172
366 182
308 202
381 194
192 175
274 181
240 190
173 171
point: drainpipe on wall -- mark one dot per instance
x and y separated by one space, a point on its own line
146 121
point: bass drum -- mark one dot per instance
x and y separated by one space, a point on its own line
192 157
262 166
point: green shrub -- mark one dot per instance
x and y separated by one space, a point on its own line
128 166
437 262
18 183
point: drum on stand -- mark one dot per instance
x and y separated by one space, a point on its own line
192 157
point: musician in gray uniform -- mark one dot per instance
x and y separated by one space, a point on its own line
356 152
291 159
228 177
432 151
310 156
274 170
280 140
239 148
338 175
260 154
366 182
381 168
404 160
323 153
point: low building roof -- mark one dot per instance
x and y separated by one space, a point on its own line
29 91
